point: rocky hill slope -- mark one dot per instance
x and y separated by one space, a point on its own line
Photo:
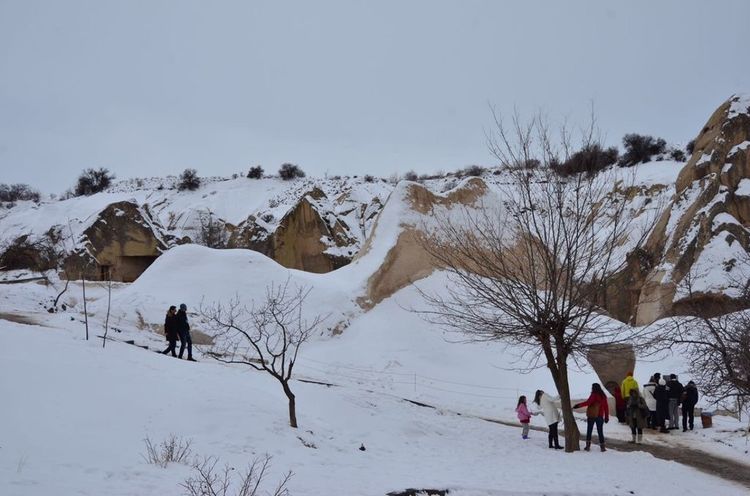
696 251
314 225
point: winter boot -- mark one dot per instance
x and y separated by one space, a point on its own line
588 446
632 441
601 446
640 439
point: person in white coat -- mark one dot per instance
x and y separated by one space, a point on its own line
648 395
549 406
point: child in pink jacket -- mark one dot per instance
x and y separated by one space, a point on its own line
524 415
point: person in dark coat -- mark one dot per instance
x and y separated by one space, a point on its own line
674 387
637 412
170 330
183 328
662 405
689 400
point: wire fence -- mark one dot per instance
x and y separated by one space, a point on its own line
406 381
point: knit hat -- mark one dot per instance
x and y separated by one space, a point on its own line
183 306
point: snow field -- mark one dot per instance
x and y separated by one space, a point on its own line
78 416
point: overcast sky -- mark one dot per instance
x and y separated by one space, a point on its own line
152 87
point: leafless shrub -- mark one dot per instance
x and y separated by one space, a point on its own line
255 172
24 253
189 180
213 233
474 170
209 480
93 181
16 192
288 172
411 176
171 450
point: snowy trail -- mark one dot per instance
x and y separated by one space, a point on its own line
728 469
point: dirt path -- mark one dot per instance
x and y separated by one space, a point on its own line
18 318
705 462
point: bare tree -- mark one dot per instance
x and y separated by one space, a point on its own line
212 233
267 335
532 272
718 346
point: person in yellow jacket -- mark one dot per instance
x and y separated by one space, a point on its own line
628 385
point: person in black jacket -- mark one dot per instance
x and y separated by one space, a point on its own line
689 400
183 328
170 330
675 396
662 404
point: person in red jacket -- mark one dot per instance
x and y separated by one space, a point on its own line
597 413
620 405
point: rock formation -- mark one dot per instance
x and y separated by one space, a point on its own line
700 245
411 207
121 243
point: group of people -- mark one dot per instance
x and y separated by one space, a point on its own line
550 409
664 398
176 326
658 402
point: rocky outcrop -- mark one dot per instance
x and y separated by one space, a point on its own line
312 225
120 244
305 238
702 240
611 362
407 260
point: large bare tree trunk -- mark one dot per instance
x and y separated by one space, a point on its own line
572 434
292 405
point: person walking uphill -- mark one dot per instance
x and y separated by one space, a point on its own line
551 414
524 416
597 413
170 330
183 328
689 400
637 413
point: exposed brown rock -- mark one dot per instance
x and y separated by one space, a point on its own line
408 261
120 244
611 362
706 187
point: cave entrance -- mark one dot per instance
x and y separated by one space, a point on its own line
131 267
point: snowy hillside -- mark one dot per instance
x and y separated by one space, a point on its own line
79 413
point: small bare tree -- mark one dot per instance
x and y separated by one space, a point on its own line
532 272
718 346
266 336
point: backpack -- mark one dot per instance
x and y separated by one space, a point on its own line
592 411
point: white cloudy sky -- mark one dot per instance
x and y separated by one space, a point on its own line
151 87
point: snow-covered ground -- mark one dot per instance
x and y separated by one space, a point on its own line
74 415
